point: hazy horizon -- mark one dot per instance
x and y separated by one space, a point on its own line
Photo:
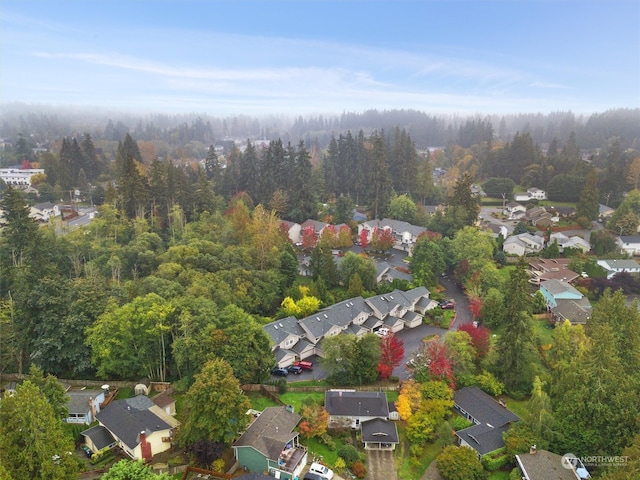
274 58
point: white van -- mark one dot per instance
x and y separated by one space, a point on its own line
321 470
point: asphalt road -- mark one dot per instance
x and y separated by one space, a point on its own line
411 337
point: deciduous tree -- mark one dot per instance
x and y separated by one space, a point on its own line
216 406
460 463
392 353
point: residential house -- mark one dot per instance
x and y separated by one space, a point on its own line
42 212
490 420
366 411
604 211
574 242
532 193
497 230
83 405
629 244
404 233
544 465
514 210
294 339
166 402
617 266
542 269
317 227
292 229
271 445
565 302
386 273
523 244
539 217
139 427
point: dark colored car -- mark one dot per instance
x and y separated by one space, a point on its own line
304 365
295 369
279 372
312 476
448 305
87 451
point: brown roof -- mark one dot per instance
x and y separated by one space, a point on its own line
164 399
544 465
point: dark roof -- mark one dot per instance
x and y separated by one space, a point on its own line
126 419
270 432
379 430
483 407
100 436
360 404
544 465
483 438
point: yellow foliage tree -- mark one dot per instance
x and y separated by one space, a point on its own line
409 399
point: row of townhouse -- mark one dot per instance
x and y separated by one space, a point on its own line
294 339
404 233
527 243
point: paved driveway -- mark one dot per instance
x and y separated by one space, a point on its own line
381 465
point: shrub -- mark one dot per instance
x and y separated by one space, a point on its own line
495 460
340 464
460 423
218 465
349 453
359 470
326 439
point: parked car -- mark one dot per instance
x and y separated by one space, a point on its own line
447 305
304 365
295 369
319 469
87 451
382 332
279 372
312 476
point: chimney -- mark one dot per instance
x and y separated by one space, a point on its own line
532 450
92 407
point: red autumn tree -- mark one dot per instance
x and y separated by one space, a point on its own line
26 165
364 238
480 338
392 353
385 240
440 364
475 307
309 238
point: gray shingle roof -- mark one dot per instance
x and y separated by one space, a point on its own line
125 419
556 287
78 401
483 407
365 404
100 436
379 430
270 432
483 438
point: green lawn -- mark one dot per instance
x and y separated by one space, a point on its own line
296 399
407 468
260 402
519 407
543 333
499 476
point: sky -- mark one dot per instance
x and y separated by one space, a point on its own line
306 57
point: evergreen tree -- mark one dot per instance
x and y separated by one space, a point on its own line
589 205
379 181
